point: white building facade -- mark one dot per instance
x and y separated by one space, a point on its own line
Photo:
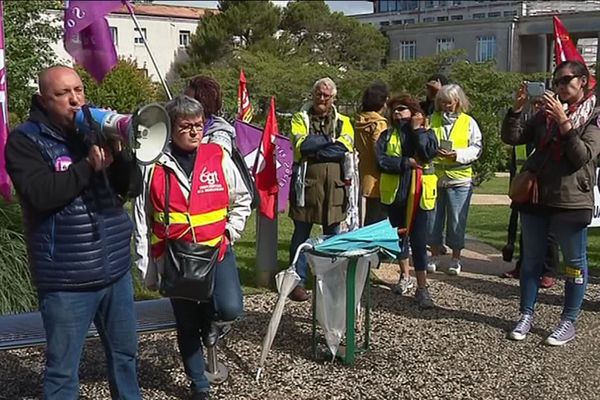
167 29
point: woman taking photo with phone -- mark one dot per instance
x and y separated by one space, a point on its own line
404 153
460 145
563 168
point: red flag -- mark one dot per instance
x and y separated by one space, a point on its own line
265 169
564 49
244 107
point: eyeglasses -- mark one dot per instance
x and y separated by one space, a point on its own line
189 127
400 108
564 80
324 96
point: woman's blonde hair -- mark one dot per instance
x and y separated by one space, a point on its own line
449 93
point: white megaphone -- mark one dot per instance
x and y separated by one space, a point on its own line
146 132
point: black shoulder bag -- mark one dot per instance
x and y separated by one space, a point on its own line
189 268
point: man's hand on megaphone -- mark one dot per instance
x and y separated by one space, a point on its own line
99 158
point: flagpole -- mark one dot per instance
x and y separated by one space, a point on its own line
137 25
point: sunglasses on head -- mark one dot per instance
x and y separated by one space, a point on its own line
564 80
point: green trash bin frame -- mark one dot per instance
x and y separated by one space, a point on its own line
349 355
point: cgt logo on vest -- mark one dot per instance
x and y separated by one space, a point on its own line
62 163
209 181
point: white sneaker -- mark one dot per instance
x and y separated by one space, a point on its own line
403 285
432 265
455 267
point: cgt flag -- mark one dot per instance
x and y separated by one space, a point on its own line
5 187
265 174
87 35
245 110
564 49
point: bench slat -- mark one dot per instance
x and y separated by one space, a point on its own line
26 330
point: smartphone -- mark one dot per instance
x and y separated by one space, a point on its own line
536 89
446 145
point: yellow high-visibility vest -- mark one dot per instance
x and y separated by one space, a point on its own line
459 135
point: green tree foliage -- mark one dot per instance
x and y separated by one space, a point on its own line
29 31
332 38
240 25
123 89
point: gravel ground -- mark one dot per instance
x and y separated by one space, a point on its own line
456 351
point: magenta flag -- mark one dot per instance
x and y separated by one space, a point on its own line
87 35
248 139
5 187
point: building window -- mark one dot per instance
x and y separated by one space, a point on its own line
494 14
184 38
397 22
444 44
407 5
429 4
456 17
114 33
456 2
408 50
409 21
478 15
442 19
384 23
510 13
138 37
486 48
390 5
428 19
442 3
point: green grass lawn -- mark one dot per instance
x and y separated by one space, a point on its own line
496 185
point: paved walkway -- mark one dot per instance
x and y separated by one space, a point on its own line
490 199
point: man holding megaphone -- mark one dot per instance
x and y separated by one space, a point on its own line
72 190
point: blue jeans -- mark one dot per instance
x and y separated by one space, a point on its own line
67 317
572 239
417 239
451 210
192 318
300 235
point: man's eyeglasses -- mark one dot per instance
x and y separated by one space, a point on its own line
564 80
187 128
400 108
324 96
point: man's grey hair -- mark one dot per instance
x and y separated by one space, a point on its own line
328 82
183 106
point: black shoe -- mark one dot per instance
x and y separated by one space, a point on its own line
200 396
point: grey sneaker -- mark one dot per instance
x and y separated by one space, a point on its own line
423 298
432 264
522 328
403 285
563 333
455 267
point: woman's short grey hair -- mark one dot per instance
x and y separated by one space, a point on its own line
449 93
183 106
328 82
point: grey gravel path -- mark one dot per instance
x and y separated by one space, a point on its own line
456 351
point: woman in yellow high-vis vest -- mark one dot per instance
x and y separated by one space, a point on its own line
460 145
403 148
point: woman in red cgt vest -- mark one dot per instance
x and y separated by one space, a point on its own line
194 197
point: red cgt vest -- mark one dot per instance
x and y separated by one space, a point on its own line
199 219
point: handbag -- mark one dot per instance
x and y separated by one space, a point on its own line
524 188
189 268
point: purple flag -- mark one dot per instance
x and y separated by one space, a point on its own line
247 139
5 189
87 35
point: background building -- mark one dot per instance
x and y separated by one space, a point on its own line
167 29
517 35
